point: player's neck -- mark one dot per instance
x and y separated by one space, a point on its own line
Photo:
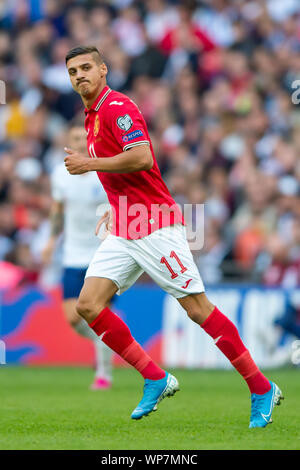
88 101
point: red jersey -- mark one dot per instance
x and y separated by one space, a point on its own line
140 200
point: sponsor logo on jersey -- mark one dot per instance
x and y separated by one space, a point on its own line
96 125
124 122
116 102
133 135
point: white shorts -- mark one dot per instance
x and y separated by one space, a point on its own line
164 255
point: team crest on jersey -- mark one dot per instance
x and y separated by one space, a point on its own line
124 122
96 126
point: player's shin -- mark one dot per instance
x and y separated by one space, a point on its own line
227 339
116 334
83 329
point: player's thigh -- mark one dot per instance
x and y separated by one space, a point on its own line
114 261
96 294
165 255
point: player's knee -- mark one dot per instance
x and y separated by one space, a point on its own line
199 314
69 307
82 308
73 321
198 307
87 309
196 315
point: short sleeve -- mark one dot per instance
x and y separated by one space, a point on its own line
127 124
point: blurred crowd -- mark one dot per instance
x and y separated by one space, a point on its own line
216 81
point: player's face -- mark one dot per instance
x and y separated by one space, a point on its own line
77 140
86 75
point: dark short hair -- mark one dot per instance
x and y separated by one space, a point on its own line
80 50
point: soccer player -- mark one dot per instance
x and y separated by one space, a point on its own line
144 238
74 212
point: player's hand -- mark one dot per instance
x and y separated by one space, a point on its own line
76 164
107 220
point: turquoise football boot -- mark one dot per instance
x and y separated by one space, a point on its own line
262 406
154 392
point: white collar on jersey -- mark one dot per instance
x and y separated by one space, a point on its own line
102 99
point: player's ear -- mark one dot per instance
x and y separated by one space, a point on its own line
103 69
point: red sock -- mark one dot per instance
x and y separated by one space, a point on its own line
228 340
116 334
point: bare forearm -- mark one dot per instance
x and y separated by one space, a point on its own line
135 159
56 226
56 220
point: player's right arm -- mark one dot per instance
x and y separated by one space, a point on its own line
135 159
56 228
127 128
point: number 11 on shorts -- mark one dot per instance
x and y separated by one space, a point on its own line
172 272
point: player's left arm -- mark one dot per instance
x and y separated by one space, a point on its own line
136 158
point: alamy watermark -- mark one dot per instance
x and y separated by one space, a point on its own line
296 95
138 220
2 353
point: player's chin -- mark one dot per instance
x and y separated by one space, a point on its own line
84 90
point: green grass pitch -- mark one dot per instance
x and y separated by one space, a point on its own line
53 408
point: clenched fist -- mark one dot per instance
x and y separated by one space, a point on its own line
76 163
